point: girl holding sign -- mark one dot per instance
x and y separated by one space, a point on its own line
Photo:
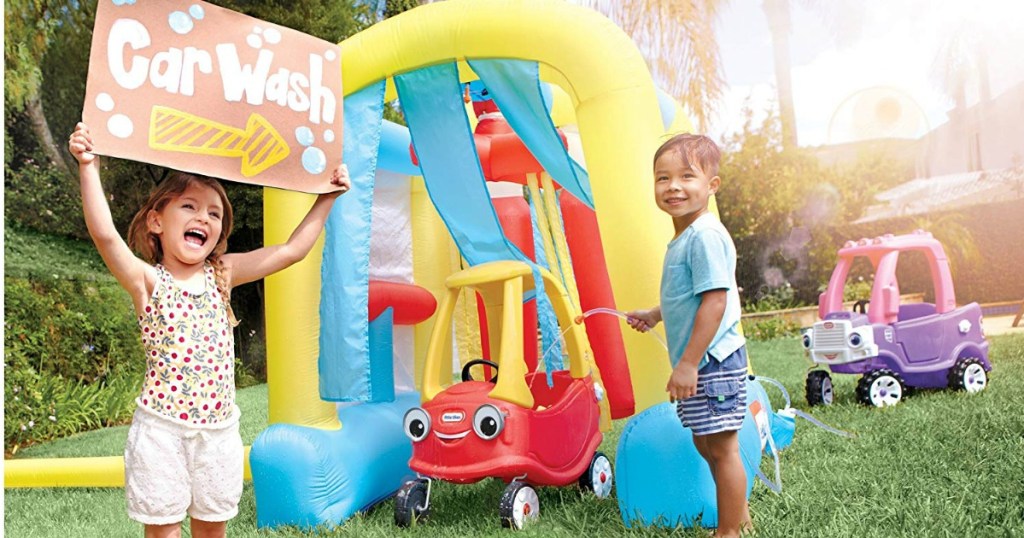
184 452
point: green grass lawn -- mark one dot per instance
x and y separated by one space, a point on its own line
33 254
938 464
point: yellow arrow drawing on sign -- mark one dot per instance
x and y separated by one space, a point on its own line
259 145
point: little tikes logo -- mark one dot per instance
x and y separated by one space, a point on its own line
453 416
829 325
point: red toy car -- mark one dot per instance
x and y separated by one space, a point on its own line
513 427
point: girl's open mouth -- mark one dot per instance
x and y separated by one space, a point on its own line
195 236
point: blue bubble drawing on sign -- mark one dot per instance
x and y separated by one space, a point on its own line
304 136
314 160
180 22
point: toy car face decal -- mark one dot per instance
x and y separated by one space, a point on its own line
416 424
449 437
488 422
452 416
838 342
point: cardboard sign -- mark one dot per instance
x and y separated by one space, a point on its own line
196 87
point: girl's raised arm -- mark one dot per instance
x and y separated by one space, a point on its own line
250 266
135 275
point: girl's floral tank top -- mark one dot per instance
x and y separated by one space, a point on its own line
189 346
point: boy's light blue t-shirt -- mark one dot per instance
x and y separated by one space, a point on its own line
700 259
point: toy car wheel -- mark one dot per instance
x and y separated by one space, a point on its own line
819 388
880 388
411 503
519 504
598 477
968 374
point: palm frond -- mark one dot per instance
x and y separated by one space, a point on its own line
677 38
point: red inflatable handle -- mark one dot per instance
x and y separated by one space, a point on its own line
411 303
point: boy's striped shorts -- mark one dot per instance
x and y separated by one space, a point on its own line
721 401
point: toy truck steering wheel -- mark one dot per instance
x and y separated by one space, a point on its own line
465 369
860 306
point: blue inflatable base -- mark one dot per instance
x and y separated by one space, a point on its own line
307 477
662 480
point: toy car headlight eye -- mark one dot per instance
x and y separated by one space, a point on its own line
856 340
488 421
416 424
807 341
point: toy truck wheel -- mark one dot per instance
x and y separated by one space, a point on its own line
519 504
880 388
819 388
968 374
411 503
598 477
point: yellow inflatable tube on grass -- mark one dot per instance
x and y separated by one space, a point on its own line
97 472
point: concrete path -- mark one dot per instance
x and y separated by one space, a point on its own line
995 325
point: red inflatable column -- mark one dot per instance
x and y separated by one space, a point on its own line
595 287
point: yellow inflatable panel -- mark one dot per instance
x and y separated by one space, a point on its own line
431 250
293 321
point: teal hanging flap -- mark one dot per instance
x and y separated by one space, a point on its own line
516 88
344 361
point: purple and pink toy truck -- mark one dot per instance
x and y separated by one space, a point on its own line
895 347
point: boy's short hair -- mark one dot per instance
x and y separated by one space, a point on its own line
696 149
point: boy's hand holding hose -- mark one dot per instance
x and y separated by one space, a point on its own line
644 320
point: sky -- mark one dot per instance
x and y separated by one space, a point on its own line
842 67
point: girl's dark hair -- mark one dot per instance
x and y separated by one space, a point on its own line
147 244
697 150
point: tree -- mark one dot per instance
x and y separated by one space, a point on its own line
29 28
678 41
842 16
950 229
330 20
395 7
777 12
784 208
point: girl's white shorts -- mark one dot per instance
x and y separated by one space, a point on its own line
172 469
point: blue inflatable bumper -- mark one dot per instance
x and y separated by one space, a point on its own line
308 477
661 478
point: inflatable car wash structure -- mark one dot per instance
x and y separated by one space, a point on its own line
347 327
428 54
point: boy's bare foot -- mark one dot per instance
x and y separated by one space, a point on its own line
746 530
